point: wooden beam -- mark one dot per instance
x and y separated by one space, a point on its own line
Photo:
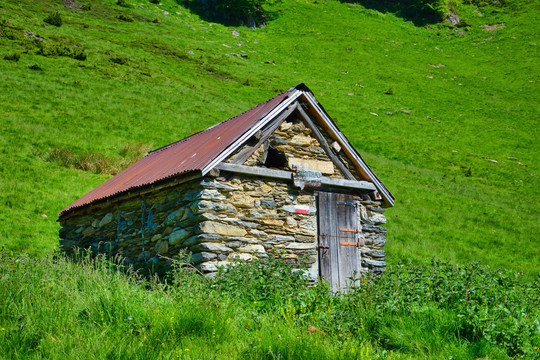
324 144
253 170
288 175
245 153
352 184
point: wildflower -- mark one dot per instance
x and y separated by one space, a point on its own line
187 349
3 329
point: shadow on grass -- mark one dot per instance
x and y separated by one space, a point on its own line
406 9
209 10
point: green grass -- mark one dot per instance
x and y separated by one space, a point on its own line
52 307
139 84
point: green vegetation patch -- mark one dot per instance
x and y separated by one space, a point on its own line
54 307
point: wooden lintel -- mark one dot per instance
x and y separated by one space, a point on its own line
324 144
288 175
253 170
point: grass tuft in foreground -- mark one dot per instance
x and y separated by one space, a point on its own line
53 307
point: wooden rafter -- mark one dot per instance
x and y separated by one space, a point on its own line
323 143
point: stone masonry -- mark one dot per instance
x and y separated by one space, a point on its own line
220 218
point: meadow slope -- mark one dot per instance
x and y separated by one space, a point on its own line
459 150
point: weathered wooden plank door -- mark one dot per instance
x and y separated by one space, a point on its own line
339 256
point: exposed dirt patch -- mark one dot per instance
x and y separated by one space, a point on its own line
493 27
72 5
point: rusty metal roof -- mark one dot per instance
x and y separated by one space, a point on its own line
200 152
190 154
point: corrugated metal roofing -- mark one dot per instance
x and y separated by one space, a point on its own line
190 154
203 150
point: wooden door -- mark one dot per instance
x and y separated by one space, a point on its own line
339 240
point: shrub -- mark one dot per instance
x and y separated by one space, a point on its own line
36 67
120 60
154 1
125 18
268 282
99 163
62 50
12 57
54 19
123 3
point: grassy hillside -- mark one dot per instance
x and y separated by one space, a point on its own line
459 150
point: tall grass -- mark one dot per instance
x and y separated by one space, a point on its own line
128 154
54 307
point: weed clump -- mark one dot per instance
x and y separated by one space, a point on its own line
154 1
12 57
125 18
99 163
54 19
123 3
120 60
62 50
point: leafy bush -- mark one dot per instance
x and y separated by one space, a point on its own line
247 12
123 3
12 57
36 67
54 19
267 282
479 303
61 50
125 18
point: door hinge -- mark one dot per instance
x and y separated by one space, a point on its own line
350 230
323 246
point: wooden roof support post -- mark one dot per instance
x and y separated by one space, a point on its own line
324 144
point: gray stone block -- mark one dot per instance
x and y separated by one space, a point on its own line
202 256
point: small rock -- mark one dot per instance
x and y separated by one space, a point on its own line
241 256
235 33
190 52
202 256
301 246
388 113
211 247
162 247
178 236
156 238
227 46
374 114
252 249
269 204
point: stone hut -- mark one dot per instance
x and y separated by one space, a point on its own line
279 178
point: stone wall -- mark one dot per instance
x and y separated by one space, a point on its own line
216 221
